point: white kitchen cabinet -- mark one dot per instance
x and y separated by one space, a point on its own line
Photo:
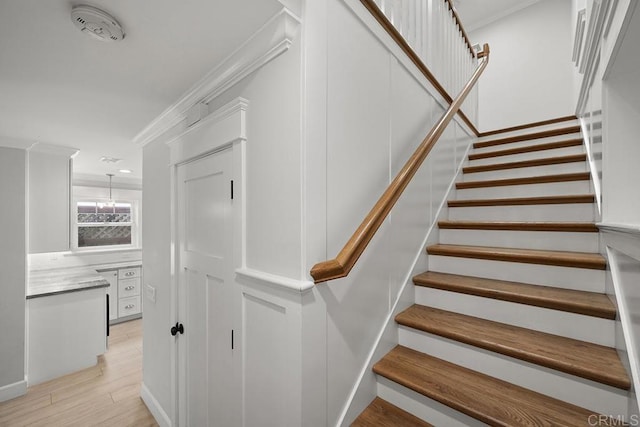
50 170
125 302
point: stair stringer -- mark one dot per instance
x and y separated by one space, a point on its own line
365 388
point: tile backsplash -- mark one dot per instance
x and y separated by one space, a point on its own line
51 260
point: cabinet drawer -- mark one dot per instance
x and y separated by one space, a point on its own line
128 287
129 273
129 306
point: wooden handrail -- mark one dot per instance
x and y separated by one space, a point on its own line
373 8
341 265
459 22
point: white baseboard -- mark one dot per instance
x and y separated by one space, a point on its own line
11 391
154 407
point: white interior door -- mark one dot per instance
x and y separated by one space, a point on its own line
208 374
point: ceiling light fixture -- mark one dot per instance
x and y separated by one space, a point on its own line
96 23
106 159
125 171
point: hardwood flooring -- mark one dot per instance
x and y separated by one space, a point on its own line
107 394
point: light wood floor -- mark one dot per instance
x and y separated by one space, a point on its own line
107 394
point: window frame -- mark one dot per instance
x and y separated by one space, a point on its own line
134 223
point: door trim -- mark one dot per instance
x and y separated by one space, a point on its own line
225 128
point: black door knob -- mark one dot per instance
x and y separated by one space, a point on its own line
177 328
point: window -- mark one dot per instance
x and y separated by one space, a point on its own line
101 224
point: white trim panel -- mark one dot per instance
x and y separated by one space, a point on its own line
275 280
219 129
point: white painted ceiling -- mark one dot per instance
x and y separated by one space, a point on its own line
478 13
61 87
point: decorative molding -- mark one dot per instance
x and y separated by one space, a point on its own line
154 407
11 391
589 59
270 41
57 150
579 35
219 129
287 283
610 15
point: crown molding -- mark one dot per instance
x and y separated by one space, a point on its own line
271 40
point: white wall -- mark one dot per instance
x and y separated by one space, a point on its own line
13 252
530 76
156 270
377 112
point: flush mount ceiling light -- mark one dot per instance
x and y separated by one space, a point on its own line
106 159
125 171
96 23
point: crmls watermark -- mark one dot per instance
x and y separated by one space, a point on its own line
613 420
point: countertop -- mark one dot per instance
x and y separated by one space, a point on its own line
59 281
116 265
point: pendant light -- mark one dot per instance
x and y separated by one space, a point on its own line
110 203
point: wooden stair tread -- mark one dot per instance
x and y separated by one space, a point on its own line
381 413
527 149
528 256
528 125
528 136
587 360
584 227
488 399
572 158
542 179
572 301
512 201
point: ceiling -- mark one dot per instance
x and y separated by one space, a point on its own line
478 13
61 87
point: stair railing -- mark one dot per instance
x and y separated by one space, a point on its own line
342 264
431 34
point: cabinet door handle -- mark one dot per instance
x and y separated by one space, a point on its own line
129 306
130 273
129 288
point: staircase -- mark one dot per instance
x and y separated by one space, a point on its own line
511 325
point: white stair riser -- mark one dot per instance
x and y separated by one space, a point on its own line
423 407
542 154
572 167
582 279
571 325
519 144
528 190
554 213
569 388
546 240
528 131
